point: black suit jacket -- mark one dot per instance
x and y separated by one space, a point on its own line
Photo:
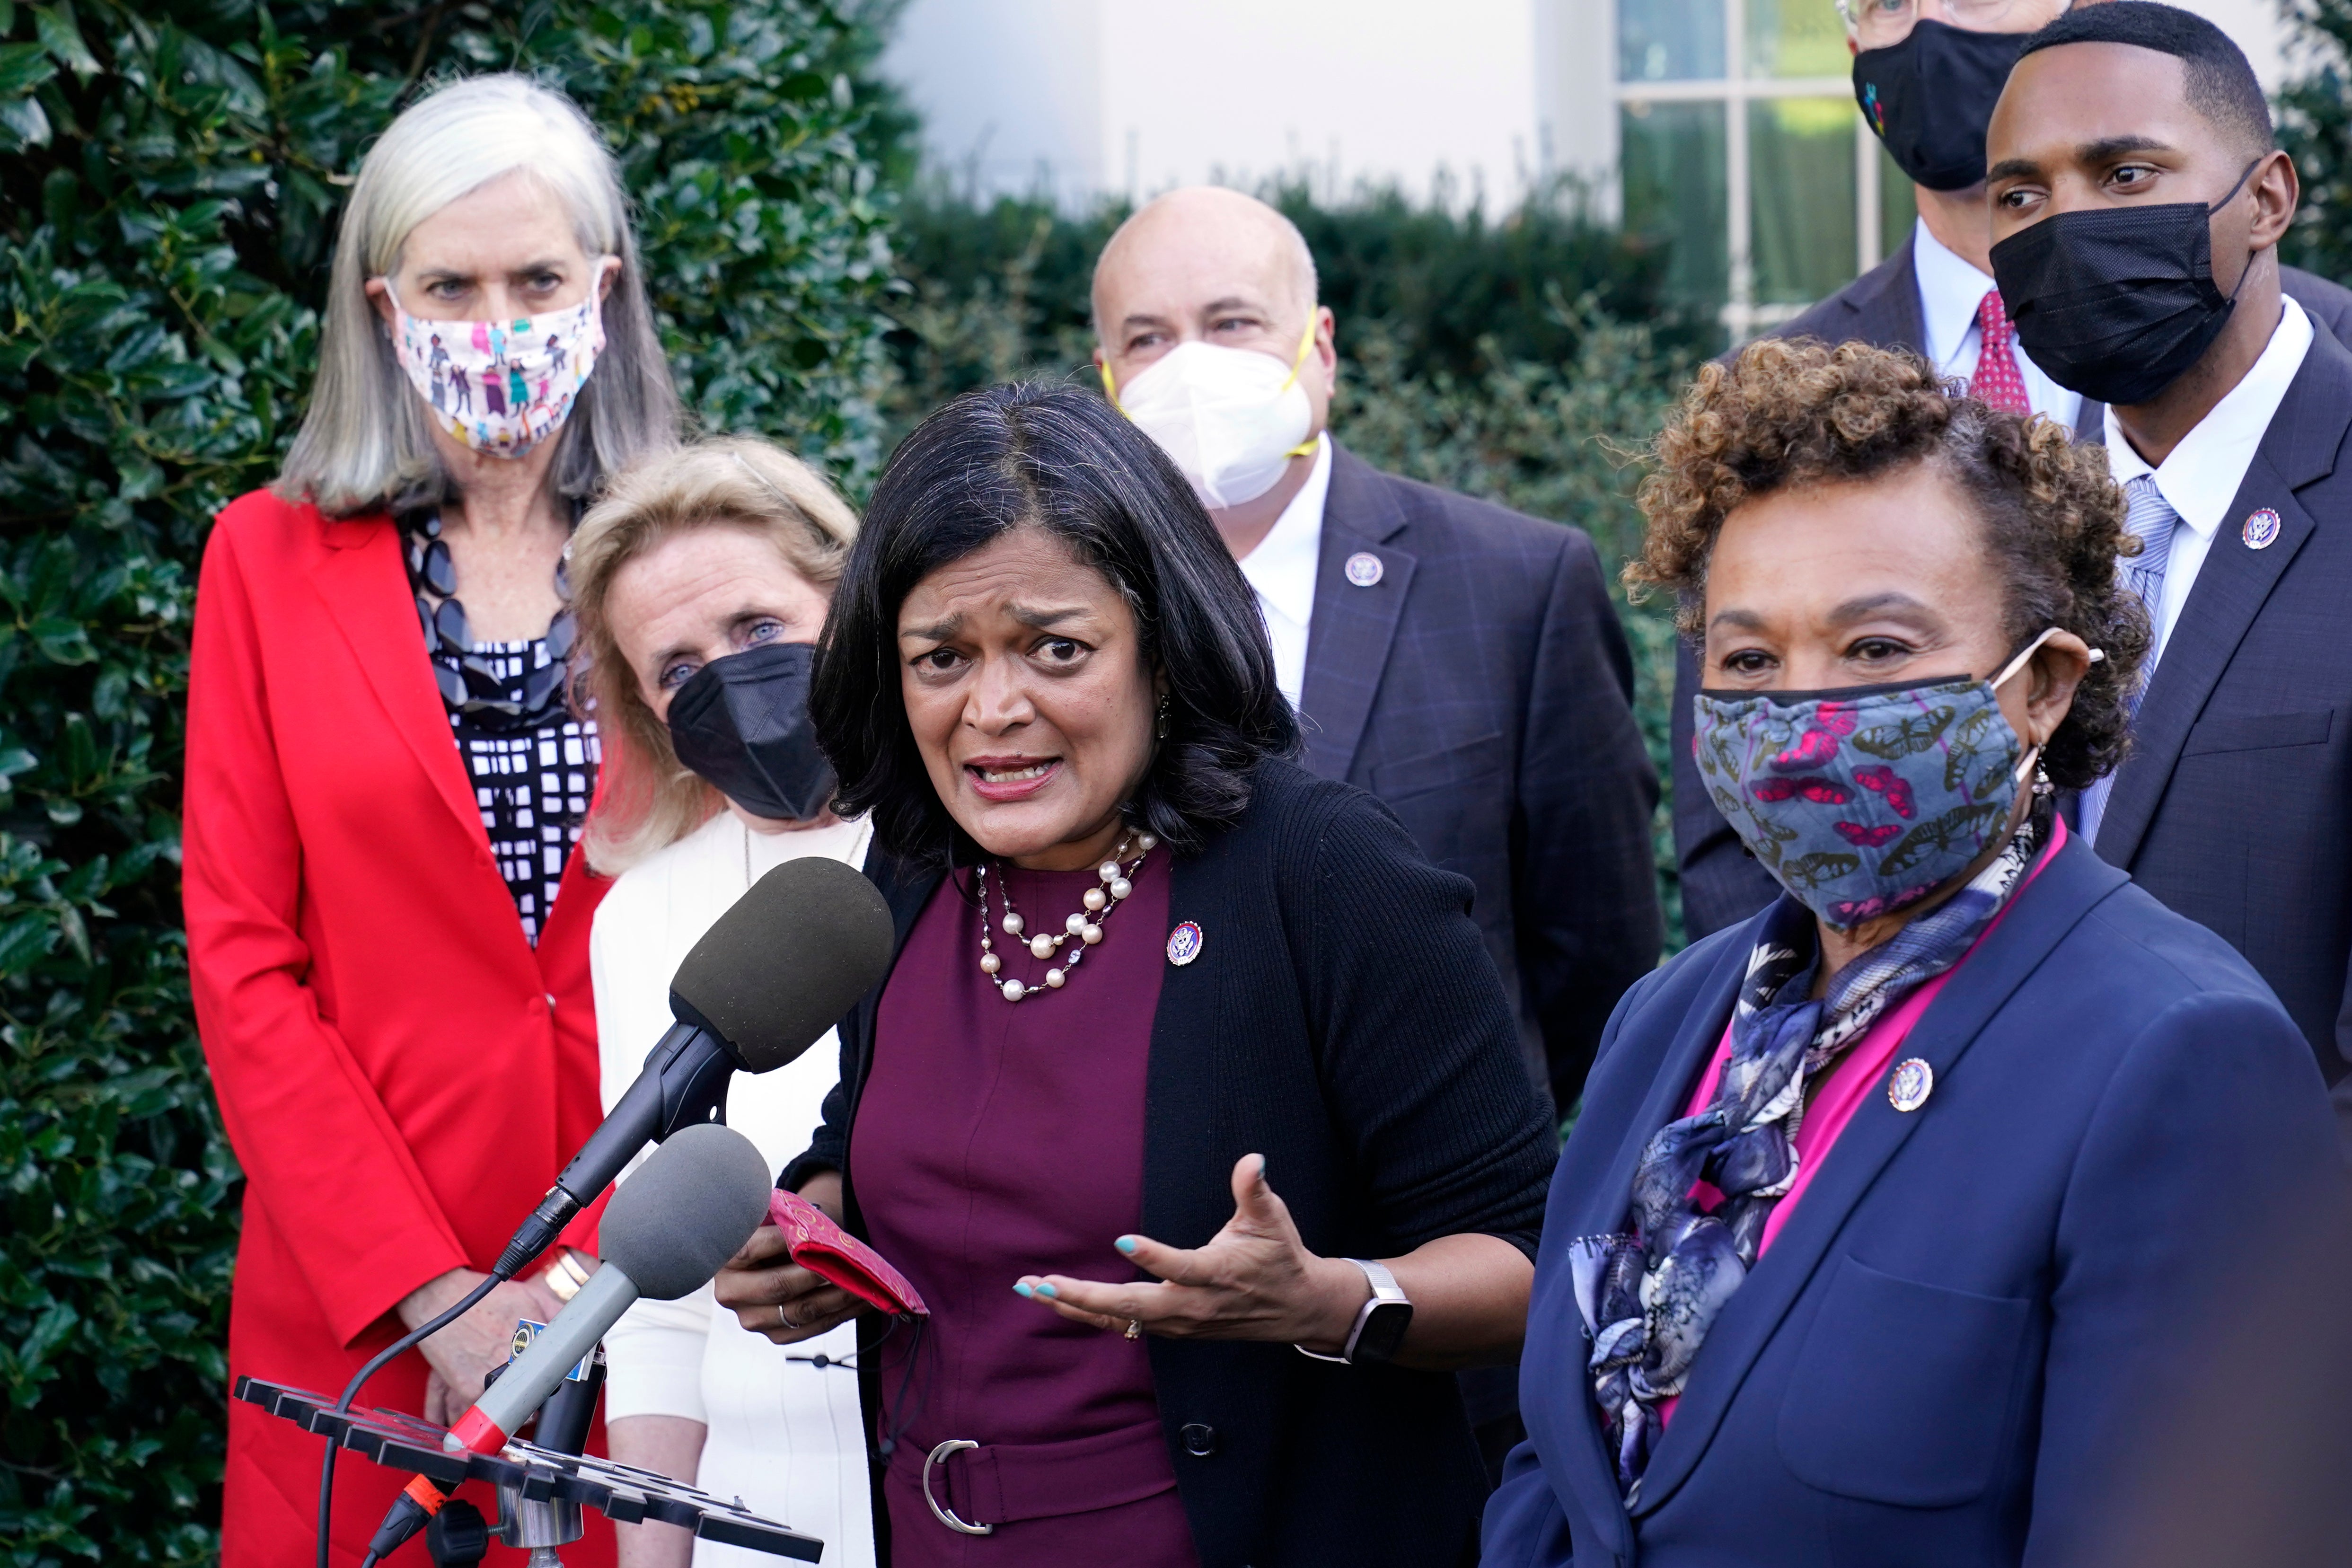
1721 884
2231 804
1483 689
1341 1020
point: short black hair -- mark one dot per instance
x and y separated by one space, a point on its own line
1060 458
2222 84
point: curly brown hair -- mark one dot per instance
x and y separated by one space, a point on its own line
1788 414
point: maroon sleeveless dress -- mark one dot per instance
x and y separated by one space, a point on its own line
996 1140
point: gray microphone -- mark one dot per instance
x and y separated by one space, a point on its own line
669 1227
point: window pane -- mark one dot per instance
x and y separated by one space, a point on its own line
1795 37
1674 198
1800 185
1898 205
1669 40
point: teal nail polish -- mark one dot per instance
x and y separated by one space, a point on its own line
1047 1291
1021 1290
1127 1244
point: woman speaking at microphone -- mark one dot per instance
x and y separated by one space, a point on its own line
1900 1217
387 927
701 582
1192 1105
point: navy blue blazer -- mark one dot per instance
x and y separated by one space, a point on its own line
1721 885
1481 686
1978 1311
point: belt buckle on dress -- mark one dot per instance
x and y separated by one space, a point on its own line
947 1516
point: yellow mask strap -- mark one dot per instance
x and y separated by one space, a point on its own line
1305 341
1298 363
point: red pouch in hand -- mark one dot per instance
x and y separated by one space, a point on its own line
830 1253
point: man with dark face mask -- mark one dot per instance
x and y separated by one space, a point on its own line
1927 74
2137 199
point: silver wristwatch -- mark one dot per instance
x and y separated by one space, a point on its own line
1380 1322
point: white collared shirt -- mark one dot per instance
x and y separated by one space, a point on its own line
2200 478
1281 572
1951 288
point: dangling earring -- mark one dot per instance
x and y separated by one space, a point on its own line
1162 725
2043 788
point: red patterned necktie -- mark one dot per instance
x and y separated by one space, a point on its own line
1998 383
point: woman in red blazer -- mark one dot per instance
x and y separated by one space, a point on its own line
387 926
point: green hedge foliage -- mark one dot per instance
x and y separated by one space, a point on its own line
1554 362
169 181
2314 116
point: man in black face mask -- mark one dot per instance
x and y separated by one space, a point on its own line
2137 200
1927 74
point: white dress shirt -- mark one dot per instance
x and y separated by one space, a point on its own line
785 1435
1950 290
2199 477
1281 572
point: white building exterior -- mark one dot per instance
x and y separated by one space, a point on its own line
1724 128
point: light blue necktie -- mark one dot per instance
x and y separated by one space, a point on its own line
2149 518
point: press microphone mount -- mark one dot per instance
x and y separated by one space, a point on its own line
526 1470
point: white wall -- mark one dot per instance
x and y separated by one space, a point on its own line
1130 96
1010 91
1355 90
1081 98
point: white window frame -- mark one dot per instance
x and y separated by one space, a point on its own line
1742 317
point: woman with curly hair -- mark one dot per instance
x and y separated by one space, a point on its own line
1891 1219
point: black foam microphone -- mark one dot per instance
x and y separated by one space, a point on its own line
764 984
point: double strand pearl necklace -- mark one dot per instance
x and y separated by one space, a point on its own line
1086 927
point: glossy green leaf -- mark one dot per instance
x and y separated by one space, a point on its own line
170 177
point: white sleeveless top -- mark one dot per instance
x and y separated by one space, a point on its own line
785 1436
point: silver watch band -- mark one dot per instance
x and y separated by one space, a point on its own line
1385 1290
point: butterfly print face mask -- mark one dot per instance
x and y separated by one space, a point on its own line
1862 802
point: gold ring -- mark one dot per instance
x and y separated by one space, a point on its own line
1134 1329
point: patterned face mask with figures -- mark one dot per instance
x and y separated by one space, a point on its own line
1863 801
500 387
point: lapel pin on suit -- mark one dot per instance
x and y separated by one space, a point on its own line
1184 944
1912 1082
2260 529
1364 569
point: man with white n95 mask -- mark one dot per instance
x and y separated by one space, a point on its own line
1461 661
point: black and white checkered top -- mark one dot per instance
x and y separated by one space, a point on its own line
532 785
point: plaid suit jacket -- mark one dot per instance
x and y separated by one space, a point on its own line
1479 684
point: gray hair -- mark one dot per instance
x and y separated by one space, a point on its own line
365 445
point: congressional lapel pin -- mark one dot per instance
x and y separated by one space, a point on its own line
2261 530
1912 1082
1364 569
1183 944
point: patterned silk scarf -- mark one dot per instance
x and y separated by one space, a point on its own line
1649 1297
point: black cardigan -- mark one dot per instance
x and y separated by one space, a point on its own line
1343 1019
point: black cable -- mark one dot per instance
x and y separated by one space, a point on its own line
352 1390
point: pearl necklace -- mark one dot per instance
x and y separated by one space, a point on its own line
1087 927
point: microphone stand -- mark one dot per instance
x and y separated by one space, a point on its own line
376 1363
687 1086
